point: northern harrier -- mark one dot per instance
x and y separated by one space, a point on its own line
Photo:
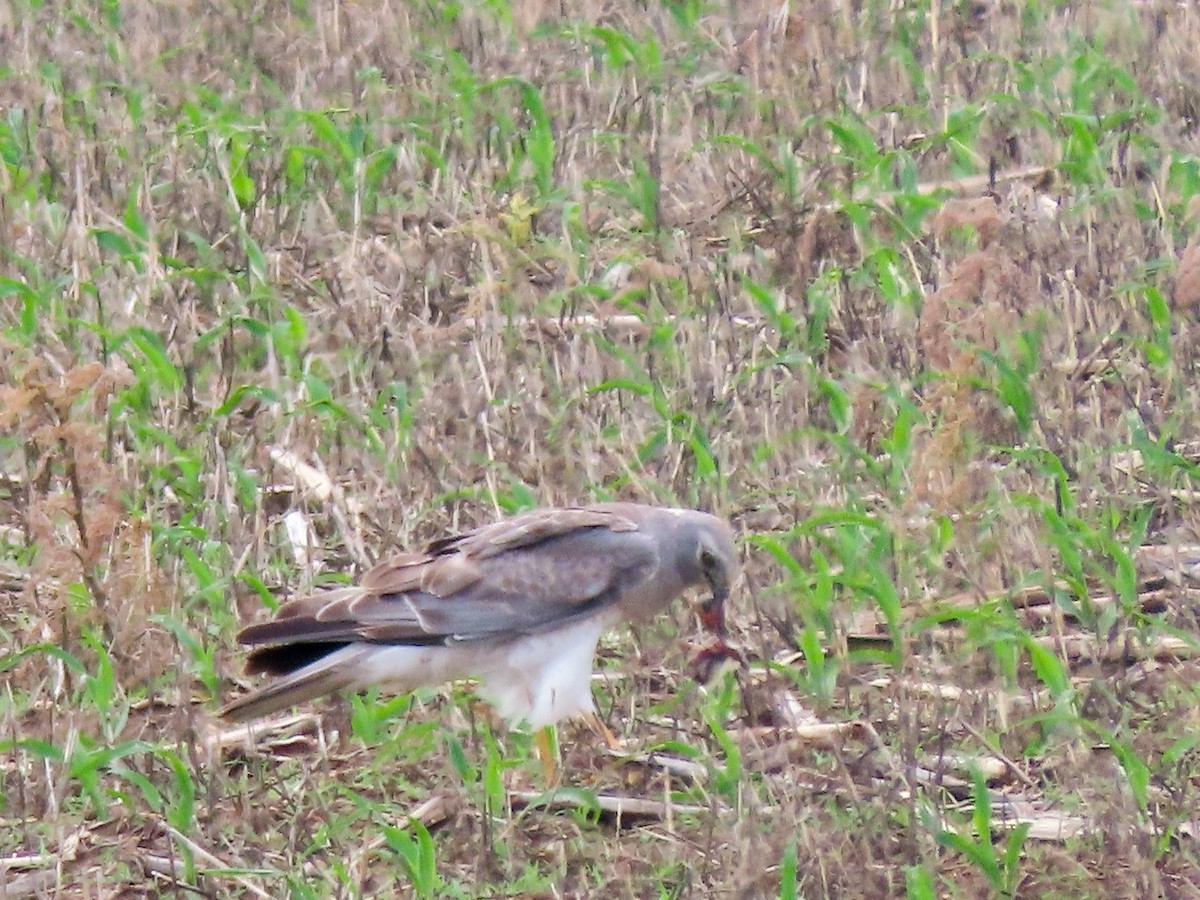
519 605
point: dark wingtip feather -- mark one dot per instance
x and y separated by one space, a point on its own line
287 658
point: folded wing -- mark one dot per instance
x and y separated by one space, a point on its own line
520 576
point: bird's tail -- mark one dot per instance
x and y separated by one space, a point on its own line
335 672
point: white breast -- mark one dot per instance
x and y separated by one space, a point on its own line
543 678
537 679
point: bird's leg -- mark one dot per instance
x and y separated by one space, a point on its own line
601 731
547 751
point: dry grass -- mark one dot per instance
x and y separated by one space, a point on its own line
907 292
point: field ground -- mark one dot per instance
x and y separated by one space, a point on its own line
906 290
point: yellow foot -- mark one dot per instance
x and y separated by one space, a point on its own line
546 743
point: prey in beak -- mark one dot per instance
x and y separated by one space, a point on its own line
712 613
717 656
712 610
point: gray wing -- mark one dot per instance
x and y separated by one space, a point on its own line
524 575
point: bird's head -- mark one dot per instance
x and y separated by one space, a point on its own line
710 557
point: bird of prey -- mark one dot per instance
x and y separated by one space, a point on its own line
518 605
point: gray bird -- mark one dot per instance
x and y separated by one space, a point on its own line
519 605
